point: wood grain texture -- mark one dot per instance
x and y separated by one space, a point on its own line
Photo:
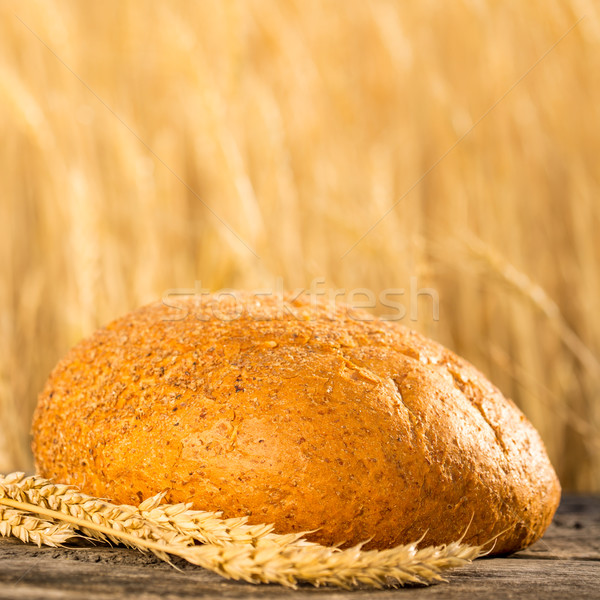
565 563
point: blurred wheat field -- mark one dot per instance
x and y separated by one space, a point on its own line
300 124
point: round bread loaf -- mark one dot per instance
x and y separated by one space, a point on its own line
297 414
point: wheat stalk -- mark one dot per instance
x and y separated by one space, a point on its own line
261 561
538 297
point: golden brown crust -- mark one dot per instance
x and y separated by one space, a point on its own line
359 428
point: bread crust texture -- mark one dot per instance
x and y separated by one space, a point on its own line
300 414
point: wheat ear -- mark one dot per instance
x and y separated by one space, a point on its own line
27 528
209 528
170 520
68 501
269 563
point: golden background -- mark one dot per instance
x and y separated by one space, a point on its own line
141 141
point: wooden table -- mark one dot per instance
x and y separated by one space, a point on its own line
564 564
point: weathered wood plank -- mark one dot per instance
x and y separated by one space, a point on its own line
573 534
565 563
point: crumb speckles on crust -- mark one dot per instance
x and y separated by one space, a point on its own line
358 428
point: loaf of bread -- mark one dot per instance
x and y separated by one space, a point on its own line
298 414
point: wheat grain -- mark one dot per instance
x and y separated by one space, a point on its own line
68 500
209 528
27 528
179 520
319 565
261 561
